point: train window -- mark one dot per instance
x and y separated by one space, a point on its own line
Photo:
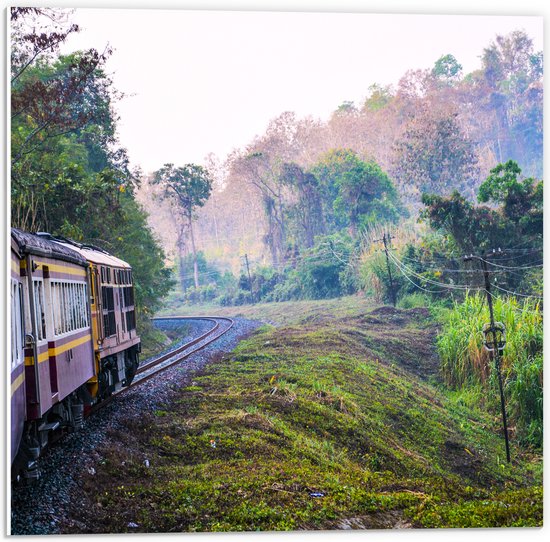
69 306
17 327
109 323
56 302
39 314
130 320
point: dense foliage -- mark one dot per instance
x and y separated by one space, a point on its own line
69 175
466 363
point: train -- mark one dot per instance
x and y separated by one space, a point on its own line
74 340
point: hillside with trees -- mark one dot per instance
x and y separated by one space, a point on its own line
306 186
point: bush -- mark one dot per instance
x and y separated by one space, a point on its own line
201 294
465 361
413 301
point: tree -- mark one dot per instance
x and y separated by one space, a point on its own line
521 200
365 195
517 221
305 213
354 192
189 186
435 155
379 97
65 157
472 228
508 88
69 174
447 69
51 99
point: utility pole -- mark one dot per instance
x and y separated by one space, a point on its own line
249 279
386 238
493 330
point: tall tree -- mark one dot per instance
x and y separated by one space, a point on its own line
69 174
508 89
434 155
189 186
355 192
305 211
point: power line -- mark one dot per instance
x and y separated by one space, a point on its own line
517 293
417 285
429 281
510 267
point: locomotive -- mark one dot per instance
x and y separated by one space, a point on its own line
73 337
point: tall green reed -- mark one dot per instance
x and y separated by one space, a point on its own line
465 362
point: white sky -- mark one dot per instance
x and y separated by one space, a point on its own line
200 82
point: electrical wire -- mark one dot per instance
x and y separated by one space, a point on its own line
517 293
417 285
429 281
512 267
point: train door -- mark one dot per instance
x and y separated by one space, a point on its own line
18 407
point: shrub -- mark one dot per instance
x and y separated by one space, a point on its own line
465 361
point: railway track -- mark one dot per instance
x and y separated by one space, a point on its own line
154 366
221 326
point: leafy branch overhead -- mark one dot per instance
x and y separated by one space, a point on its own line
69 174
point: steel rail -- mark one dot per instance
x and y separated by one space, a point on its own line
156 361
182 349
176 352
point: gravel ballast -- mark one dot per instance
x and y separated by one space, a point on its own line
42 507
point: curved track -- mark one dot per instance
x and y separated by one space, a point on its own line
156 365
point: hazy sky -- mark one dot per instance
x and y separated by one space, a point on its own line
200 82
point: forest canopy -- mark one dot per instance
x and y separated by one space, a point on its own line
439 133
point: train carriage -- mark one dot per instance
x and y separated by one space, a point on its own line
116 342
50 306
73 335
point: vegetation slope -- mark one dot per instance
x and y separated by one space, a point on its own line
334 419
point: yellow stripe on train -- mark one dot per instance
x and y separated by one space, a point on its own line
43 356
73 344
54 267
16 384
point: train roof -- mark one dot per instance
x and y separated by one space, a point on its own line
32 243
97 255
90 252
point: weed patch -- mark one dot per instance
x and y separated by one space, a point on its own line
328 424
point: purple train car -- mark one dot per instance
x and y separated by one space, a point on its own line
52 349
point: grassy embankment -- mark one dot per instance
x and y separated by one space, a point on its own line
334 418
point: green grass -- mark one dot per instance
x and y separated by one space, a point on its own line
281 313
345 405
466 363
